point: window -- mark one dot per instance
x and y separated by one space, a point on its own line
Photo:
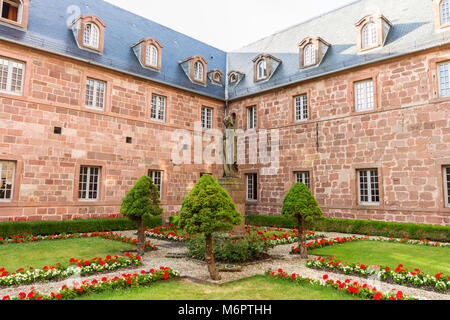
233 78
445 12
309 55
11 76
12 10
368 187
252 186
447 186
88 188
251 118
262 70
156 177
369 35
95 94
444 79
198 71
7 171
301 107
364 97
158 110
207 118
91 35
152 56
303 177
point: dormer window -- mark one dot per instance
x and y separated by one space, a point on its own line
262 70
216 76
369 35
198 71
265 66
89 31
309 55
91 35
149 53
195 69
445 12
372 32
234 77
151 56
441 14
312 51
15 12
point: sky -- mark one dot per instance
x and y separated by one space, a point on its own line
229 24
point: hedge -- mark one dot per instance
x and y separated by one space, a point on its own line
72 226
363 227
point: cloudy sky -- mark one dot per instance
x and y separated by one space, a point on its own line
229 24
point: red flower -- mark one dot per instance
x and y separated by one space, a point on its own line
399 295
165 275
6 298
438 276
30 295
129 281
378 296
58 296
325 277
387 268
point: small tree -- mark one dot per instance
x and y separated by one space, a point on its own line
206 209
141 201
301 204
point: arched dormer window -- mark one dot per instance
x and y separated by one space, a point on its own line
91 35
15 12
309 55
151 56
89 32
372 32
262 70
369 35
444 10
198 71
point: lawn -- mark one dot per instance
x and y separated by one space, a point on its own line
51 252
254 288
431 260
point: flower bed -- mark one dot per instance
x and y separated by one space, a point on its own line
75 267
327 242
399 275
363 291
105 235
86 287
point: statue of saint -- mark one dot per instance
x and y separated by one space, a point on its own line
230 165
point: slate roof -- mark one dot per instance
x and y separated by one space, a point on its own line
413 30
47 30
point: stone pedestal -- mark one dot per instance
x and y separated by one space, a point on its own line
236 189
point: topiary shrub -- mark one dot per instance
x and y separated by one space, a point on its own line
300 203
141 201
208 208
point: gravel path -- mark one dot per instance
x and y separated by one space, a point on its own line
197 270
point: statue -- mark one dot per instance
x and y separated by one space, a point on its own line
230 163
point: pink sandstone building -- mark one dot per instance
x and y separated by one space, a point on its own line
91 97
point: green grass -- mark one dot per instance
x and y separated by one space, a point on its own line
431 260
47 253
254 288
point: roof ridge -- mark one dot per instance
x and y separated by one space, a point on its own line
298 24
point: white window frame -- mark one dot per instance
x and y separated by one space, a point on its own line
97 86
207 118
309 55
303 177
262 70
364 95
158 108
151 55
447 186
7 68
251 186
157 181
91 35
251 118
86 192
444 12
443 73
198 71
19 10
369 35
301 108
12 180
370 190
